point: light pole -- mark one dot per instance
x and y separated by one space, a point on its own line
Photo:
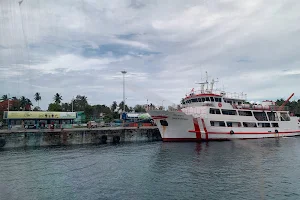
8 102
124 72
72 103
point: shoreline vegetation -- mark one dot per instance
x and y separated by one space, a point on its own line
80 103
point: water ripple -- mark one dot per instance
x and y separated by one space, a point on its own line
248 169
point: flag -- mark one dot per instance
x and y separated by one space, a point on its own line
192 90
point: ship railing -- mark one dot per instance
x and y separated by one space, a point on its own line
260 107
229 95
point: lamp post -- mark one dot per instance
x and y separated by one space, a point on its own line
8 102
72 103
124 72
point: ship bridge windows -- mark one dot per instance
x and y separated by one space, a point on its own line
217 123
264 125
214 111
233 124
272 116
284 116
207 99
245 113
249 124
260 116
275 125
228 112
194 100
218 99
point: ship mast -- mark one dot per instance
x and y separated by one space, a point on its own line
202 85
207 90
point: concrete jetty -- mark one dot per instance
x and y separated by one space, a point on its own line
76 136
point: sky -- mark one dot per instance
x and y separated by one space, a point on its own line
80 46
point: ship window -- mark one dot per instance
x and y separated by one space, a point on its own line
275 125
245 113
199 99
228 112
212 99
233 124
217 123
260 116
163 122
217 99
249 124
203 99
264 125
194 100
229 102
272 116
207 99
284 116
214 111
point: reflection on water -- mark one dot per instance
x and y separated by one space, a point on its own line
243 169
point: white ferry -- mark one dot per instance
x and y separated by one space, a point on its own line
211 115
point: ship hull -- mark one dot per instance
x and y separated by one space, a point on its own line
176 126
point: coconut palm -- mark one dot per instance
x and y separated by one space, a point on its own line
23 102
28 104
4 97
57 98
37 98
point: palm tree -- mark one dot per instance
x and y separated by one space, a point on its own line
4 97
37 98
23 102
57 98
28 103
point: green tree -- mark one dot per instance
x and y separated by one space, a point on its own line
57 98
139 109
28 104
80 102
88 110
23 102
114 106
36 108
54 107
4 97
37 98
66 107
121 106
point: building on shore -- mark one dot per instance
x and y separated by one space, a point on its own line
39 119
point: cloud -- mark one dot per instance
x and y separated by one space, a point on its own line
80 47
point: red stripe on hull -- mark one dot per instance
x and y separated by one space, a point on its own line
211 139
181 140
159 117
197 129
190 139
206 133
250 133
